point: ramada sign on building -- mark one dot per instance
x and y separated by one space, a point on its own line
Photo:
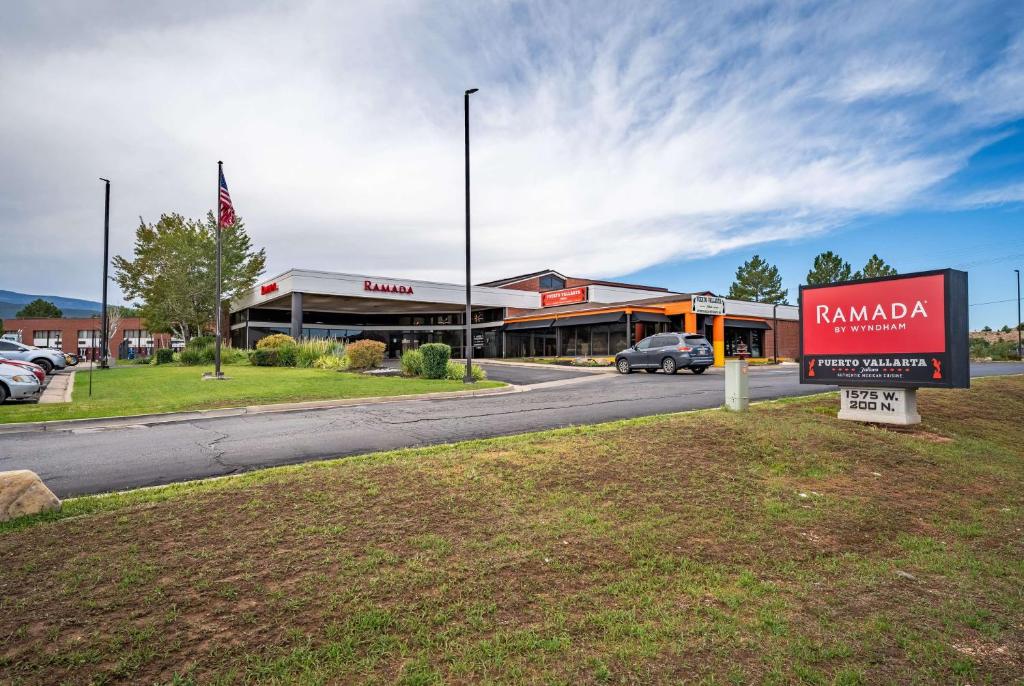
900 332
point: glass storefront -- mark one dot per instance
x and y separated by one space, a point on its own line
736 339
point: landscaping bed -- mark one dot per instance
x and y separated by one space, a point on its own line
778 546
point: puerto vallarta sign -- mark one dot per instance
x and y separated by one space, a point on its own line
903 331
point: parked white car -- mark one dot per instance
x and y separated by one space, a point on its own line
44 357
18 383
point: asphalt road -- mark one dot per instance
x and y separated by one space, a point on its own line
93 460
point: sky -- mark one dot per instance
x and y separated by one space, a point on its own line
657 142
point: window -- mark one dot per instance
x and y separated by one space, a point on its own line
599 340
7 345
644 344
550 282
47 338
664 341
90 338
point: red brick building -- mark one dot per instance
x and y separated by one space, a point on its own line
81 336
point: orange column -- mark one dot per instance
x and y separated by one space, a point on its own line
691 322
718 340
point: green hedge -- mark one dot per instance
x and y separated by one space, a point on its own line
164 356
412 362
265 357
435 359
365 354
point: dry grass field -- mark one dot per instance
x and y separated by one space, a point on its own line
781 546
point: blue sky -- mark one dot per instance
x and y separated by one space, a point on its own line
662 142
986 239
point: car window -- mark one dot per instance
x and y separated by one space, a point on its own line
664 340
696 340
7 345
644 344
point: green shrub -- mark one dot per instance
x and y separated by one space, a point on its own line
435 359
365 354
265 357
276 340
331 362
456 371
164 356
201 342
234 356
412 362
195 355
310 350
287 355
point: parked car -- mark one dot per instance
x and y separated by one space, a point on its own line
18 383
44 357
668 352
39 372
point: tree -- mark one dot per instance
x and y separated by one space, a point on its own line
875 267
828 268
986 329
173 272
40 308
758 281
1006 329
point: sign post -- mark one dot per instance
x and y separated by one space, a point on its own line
882 339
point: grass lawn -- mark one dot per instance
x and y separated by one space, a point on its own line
144 389
780 546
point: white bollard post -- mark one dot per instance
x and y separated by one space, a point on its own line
737 387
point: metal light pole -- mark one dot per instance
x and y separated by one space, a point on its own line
468 342
106 258
1020 349
775 334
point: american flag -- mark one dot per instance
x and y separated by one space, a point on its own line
227 210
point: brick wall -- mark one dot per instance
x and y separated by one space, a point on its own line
69 329
789 338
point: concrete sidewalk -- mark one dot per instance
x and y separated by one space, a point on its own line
59 387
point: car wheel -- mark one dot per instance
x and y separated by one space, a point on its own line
45 364
668 365
697 370
3 393
623 366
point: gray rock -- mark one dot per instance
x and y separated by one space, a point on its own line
22 493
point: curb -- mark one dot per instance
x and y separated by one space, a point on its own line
539 365
216 413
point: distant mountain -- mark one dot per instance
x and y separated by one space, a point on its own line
11 302
63 303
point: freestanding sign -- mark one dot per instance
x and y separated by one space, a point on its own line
907 331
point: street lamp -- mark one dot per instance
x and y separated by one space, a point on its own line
106 258
1020 349
468 342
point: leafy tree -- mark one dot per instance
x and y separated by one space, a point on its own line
986 328
173 272
875 267
1005 329
40 308
828 268
758 281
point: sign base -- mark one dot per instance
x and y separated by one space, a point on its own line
882 405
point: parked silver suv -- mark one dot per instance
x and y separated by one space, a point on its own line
668 352
44 357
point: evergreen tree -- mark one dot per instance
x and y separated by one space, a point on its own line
828 268
758 281
875 267
40 308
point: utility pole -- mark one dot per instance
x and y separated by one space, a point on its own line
1020 348
104 343
468 342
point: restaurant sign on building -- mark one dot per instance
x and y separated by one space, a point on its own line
907 331
708 304
566 296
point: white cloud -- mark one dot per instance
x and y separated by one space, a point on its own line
605 138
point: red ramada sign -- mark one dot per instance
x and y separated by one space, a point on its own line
903 331
268 288
386 287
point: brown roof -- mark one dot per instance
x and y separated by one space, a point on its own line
583 307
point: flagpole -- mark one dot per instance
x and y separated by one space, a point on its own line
216 216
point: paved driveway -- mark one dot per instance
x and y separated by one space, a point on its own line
95 460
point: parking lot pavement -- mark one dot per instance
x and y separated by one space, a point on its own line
525 375
74 462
